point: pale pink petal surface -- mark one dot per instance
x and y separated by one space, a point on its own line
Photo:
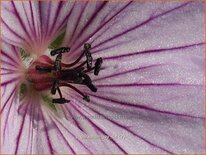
33 25
150 96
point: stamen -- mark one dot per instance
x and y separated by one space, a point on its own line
81 65
59 51
65 76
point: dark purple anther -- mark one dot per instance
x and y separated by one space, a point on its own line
59 51
60 101
98 64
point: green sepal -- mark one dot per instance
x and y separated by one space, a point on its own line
23 54
23 88
48 101
57 42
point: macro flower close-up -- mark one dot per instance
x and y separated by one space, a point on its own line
101 77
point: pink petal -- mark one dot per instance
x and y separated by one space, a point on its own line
10 78
33 25
139 131
153 68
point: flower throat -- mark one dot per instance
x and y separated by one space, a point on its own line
65 75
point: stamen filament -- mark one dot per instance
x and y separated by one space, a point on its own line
76 61
59 91
85 97
55 86
89 70
81 65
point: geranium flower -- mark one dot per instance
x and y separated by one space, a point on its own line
150 96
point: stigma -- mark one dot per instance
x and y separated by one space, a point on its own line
46 74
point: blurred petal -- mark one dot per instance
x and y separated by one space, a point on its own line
28 126
33 25
10 78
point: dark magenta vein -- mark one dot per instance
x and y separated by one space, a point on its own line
20 20
7 100
102 26
55 18
141 24
47 134
7 116
38 122
125 128
139 106
99 129
8 10
47 19
92 18
8 40
30 26
3 90
97 132
30 139
9 81
149 85
63 23
78 19
40 19
176 49
128 71
32 19
6 69
74 137
63 137
10 58
8 73
20 130
73 118
8 63
15 33
16 53
103 20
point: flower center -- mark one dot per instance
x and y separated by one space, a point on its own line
46 74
